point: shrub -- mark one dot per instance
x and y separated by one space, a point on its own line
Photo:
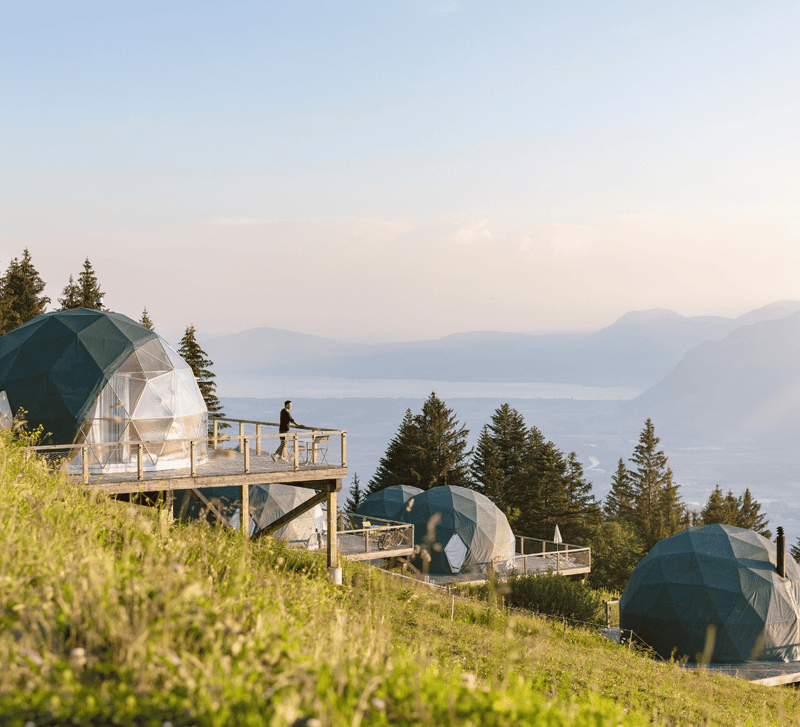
554 595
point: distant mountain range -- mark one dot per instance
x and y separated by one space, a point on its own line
639 349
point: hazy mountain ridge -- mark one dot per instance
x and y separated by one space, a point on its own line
639 349
745 387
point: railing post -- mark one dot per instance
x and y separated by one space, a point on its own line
295 453
215 435
139 461
258 439
344 449
85 464
193 458
366 540
245 442
241 434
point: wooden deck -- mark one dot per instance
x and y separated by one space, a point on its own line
766 673
232 461
225 468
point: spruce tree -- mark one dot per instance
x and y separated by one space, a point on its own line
21 297
543 502
398 466
145 320
619 502
85 293
427 451
72 296
198 360
720 509
582 504
794 551
498 464
750 515
442 443
658 511
356 496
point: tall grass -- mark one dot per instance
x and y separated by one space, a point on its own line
109 616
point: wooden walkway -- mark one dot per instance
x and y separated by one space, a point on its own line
766 673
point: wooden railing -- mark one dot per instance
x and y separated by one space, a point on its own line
252 437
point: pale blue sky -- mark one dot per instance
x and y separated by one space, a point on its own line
404 169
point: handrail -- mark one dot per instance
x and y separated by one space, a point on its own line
271 424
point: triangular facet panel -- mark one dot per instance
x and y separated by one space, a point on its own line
151 403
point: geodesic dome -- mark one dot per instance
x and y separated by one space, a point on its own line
462 530
388 503
100 377
715 576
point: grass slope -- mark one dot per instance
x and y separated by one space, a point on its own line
110 617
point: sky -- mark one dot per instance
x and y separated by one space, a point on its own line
393 170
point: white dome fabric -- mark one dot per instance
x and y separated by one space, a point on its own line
152 398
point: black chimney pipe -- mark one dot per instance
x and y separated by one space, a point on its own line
781 553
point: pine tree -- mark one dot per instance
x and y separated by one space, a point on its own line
198 360
20 293
145 320
619 502
498 464
658 511
85 293
427 451
356 496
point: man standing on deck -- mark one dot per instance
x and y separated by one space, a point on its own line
283 427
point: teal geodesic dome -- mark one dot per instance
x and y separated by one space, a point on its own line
715 576
462 530
388 503
89 376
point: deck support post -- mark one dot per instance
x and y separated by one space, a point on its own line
334 569
245 511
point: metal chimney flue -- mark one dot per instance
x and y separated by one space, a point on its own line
781 542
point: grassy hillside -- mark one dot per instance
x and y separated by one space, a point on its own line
109 617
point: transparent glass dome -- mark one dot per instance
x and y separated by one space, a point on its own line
153 399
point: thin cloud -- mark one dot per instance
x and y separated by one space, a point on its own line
474 232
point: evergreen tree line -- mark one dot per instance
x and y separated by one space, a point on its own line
537 486
533 482
22 299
